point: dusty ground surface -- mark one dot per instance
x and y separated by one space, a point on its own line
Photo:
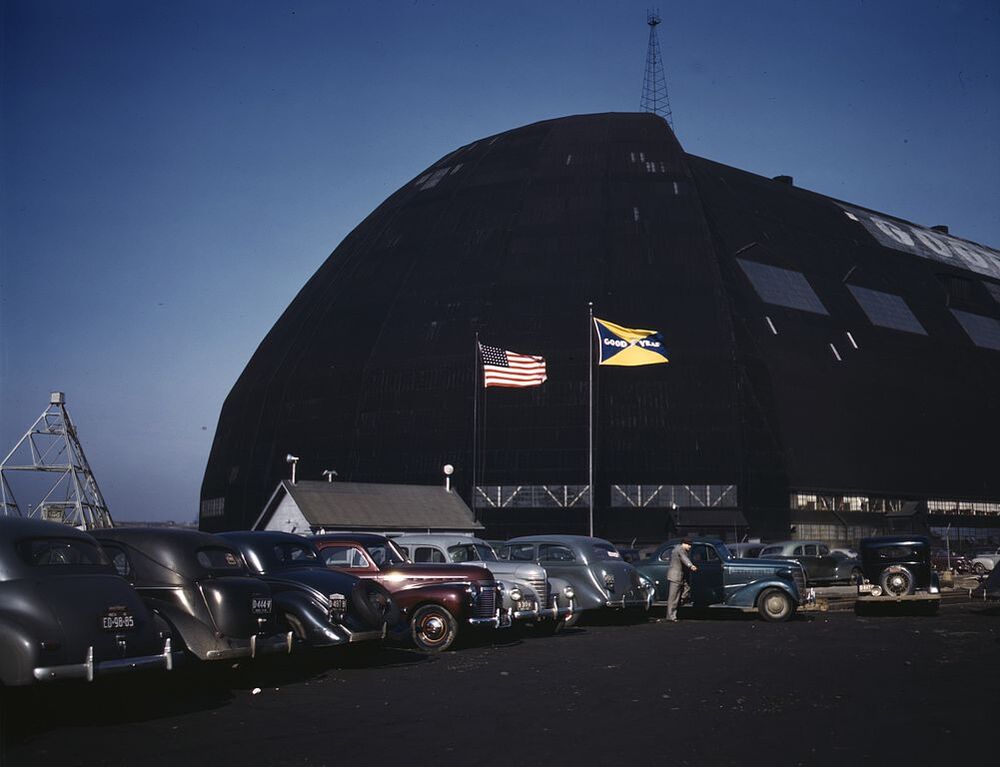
826 688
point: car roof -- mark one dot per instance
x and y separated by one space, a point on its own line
894 540
579 540
168 553
446 539
365 539
13 530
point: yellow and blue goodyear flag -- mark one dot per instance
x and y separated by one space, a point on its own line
627 346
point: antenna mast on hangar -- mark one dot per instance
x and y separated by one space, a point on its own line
654 83
51 447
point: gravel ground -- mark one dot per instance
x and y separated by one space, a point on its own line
715 689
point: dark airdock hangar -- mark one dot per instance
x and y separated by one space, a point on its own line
834 371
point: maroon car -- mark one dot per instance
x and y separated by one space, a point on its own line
435 600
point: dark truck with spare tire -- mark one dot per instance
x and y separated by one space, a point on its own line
897 569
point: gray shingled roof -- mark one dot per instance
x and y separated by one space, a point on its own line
363 506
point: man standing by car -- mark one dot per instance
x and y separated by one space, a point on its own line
675 575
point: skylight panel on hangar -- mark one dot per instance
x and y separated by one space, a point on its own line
984 331
782 287
887 310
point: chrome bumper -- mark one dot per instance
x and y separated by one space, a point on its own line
632 599
258 644
500 619
89 669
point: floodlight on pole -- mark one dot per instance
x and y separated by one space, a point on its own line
448 470
330 474
294 461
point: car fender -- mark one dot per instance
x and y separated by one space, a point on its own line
18 654
746 596
453 597
558 587
187 630
313 619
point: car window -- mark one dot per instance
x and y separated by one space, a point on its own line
344 556
45 552
465 552
798 551
702 552
665 554
288 553
603 551
218 558
520 552
811 550
771 551
555 552
428 554
824 551
119 559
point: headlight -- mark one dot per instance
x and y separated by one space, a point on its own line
515 594
569 593
876 591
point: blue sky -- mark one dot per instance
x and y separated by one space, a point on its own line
173 173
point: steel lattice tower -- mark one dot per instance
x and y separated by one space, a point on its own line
654 83
51 447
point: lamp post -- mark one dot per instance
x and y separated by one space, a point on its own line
294 461
448 470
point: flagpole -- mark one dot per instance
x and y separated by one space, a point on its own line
475 423
590 412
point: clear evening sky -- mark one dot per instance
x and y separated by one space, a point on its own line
173 172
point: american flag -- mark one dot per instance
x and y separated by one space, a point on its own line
504 368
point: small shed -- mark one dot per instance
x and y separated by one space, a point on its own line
311 506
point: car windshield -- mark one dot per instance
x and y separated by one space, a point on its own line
289 554
605 551
471 552
43 552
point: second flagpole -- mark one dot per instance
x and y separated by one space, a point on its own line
590 449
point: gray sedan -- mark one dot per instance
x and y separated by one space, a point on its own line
600 578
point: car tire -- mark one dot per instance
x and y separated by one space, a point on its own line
774 605
979 568
897 581
433 628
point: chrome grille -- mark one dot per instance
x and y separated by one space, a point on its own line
800 581
541 587
487 604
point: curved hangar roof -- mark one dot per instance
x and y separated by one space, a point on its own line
813 344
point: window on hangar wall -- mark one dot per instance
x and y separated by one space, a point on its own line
782 287
887 310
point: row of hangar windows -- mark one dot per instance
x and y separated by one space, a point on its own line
784 287
622 496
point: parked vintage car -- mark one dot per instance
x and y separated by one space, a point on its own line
985 561
530 594
322 607
745 550
897 568
198 584
942 560
434 600
989 588
821 566
600 579
775 588
64 611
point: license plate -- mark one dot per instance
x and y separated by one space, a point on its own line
117 619
261 605
504 619
865 588
525 604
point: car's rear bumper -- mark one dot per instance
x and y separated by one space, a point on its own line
91 668
258 644
917 597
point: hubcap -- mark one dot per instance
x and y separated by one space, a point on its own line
433 628
775 605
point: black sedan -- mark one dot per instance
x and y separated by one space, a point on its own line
198 584
322 607
64 611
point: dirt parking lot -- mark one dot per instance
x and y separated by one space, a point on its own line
827 688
